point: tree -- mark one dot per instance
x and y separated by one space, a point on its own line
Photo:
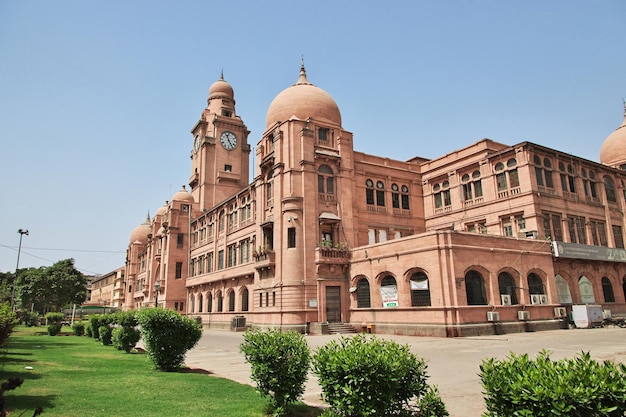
51 288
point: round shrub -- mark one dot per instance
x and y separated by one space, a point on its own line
88 331
125 338
167 336
279 364
105 335
30 318
8 319
54 329
362 376
78 328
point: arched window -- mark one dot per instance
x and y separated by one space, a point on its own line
245 296
562 290
325 180
220 302
209 300
389 291
395 196
200 302
609 188
607 290
369 192
231 301
535 285
420 290
475 289
586 290
508 292
363 299
380 193
192 300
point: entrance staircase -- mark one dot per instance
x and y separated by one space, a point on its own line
341 328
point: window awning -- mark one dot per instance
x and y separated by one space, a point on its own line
329 217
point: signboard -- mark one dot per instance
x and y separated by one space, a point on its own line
389 294
594 253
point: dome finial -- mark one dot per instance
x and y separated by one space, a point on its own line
222 75
302 78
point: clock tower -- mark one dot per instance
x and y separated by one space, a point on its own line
220 153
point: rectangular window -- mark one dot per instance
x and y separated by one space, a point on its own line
273 298
539 176
209 262
232 255
322 134
447 200
228 168
438 200
320 183
179 270
478 188
380 198
369 196
501 180
221 222
619 238
291 237
395 200
467 192
220 259
180 239
598 233
405 202
549 182
244 249
513 178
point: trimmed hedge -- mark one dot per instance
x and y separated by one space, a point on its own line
520 386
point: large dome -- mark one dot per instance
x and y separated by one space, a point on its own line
141 232
613 151
301 101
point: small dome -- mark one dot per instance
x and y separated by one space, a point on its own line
162 210
303 100
183 195
221 88
613 151
141 232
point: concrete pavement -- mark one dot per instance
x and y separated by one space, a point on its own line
453 364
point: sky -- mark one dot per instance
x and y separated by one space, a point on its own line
97 99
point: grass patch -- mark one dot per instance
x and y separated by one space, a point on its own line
76 376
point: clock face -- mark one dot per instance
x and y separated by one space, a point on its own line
229 140
196 143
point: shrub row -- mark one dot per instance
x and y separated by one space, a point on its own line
359 376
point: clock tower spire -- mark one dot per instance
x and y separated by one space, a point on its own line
220 153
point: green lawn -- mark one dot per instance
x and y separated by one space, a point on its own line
76 376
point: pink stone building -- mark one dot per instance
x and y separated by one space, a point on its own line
488 238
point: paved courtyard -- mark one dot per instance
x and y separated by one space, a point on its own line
453 364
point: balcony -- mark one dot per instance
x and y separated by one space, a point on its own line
264 260
332 262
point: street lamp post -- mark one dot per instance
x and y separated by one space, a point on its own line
157 288
22 232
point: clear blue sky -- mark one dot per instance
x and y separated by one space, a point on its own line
97 98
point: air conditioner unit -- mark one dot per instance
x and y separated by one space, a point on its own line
523 315
532 234
493 316
505 299
543 299
560 312
535 299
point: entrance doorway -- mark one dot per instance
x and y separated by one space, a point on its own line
333 304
